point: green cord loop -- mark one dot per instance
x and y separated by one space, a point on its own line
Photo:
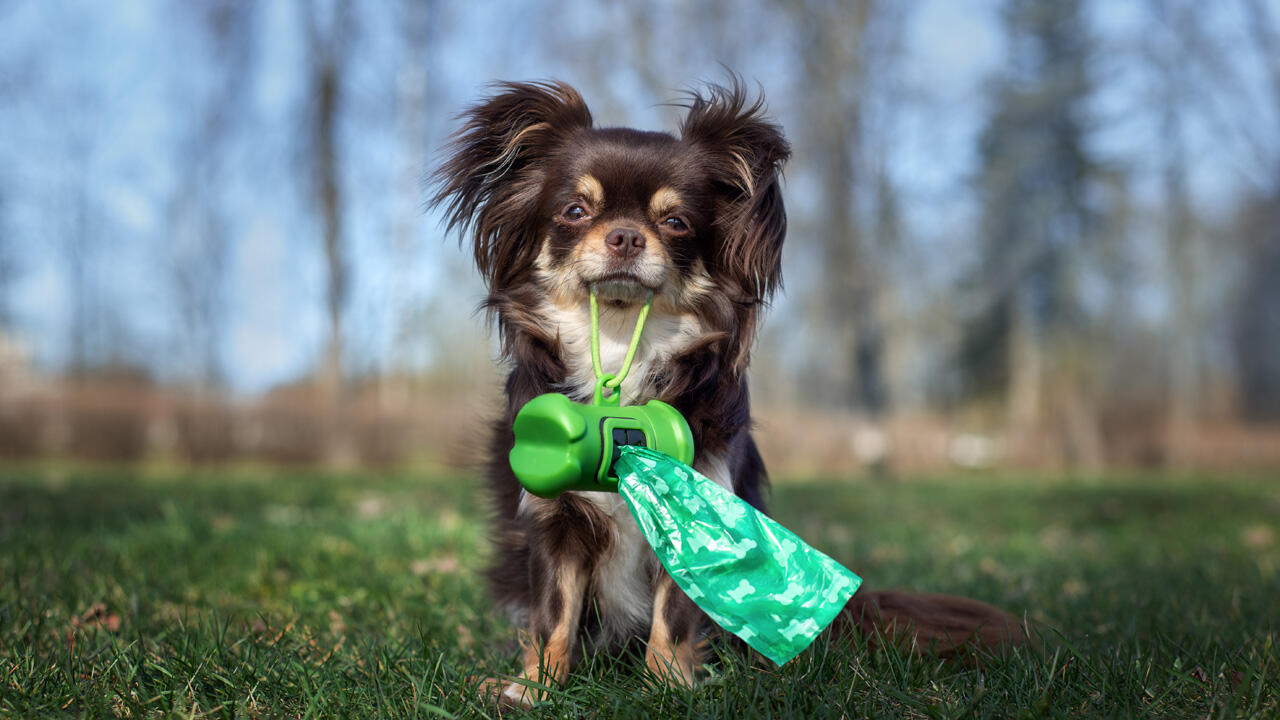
614 381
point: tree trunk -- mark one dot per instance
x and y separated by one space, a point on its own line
1026 369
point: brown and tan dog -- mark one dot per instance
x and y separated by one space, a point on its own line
555 205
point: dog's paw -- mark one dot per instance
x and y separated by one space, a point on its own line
504 694
669 673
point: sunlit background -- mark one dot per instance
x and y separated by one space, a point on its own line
1024 233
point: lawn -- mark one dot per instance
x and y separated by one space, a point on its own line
256 593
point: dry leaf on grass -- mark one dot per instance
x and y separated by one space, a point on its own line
445 564
97 617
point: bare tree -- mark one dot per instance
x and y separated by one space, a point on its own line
10 86
1037 220
1206 77
8 264
201 237
202 225
1175 95
328 28
839 73
1257 308
77 246
847 52
416 20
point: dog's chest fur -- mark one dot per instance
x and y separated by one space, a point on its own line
622 580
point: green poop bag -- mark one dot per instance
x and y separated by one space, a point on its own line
752 576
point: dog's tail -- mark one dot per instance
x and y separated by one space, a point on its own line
943 625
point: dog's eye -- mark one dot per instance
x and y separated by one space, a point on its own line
675 225
575 213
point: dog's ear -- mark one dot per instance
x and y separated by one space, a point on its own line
491 182
745 152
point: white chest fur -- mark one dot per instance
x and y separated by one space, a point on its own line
664 335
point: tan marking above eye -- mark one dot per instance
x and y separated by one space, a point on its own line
590 189
663 201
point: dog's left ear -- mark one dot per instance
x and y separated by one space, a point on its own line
745 152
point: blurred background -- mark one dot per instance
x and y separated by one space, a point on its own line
1024 233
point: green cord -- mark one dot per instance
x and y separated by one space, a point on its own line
615 380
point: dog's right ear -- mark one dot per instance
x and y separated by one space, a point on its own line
491 182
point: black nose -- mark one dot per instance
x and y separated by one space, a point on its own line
626 243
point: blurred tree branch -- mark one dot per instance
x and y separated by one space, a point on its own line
1265 31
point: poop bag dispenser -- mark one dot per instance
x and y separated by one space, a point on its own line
563 445
752 576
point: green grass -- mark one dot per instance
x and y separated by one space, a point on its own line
277 594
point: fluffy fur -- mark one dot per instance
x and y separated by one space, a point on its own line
554 205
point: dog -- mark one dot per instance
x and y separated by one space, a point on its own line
555 206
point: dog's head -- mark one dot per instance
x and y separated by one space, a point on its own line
552 199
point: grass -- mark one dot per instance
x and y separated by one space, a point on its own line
292 594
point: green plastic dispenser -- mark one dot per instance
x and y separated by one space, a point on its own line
563 445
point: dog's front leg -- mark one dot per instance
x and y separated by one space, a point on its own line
549 641
564 537
675 649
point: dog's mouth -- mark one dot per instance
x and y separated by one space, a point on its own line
621 287
621 277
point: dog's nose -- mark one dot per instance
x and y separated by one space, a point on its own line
626 243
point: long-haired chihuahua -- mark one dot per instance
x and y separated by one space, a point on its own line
555 206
